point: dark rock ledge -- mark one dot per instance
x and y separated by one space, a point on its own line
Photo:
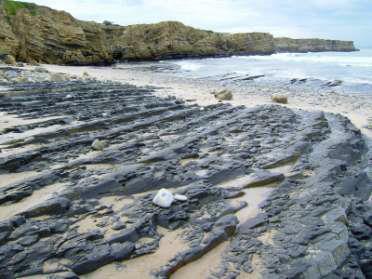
315 224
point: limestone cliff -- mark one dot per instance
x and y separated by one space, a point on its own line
175 40
312 45
35 33
39 34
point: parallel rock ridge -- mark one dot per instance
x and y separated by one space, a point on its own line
34 33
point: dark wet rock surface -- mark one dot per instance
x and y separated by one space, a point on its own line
316 223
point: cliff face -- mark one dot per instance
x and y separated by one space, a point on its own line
312 45
8 41
38 34
174 40
34 33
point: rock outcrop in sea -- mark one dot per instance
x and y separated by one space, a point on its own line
33 33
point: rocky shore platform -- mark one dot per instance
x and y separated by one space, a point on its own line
272 192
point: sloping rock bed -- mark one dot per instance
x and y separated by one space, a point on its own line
316 222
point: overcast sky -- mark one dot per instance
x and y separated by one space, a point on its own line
334 19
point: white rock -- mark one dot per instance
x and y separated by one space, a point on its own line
164 198
99 145
69 96
179 197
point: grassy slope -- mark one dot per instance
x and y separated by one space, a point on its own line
12 7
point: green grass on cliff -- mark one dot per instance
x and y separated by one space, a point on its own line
12 7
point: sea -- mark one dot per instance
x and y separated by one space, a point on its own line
345 72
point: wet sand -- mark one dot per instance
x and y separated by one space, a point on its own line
142 267
203 267
9 121
8 179
37 197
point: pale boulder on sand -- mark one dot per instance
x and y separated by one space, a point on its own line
224 95
280 99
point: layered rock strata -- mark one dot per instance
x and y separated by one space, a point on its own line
99 210
312 45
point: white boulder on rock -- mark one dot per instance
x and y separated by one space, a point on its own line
164 198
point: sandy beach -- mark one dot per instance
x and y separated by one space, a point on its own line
357 108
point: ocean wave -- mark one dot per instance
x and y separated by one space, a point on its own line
188 65
342 60
358 81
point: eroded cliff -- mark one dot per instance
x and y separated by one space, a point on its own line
35 33
175 40
312 45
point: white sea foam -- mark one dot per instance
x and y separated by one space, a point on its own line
3 89
354 68
358 80
189 65
342 60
